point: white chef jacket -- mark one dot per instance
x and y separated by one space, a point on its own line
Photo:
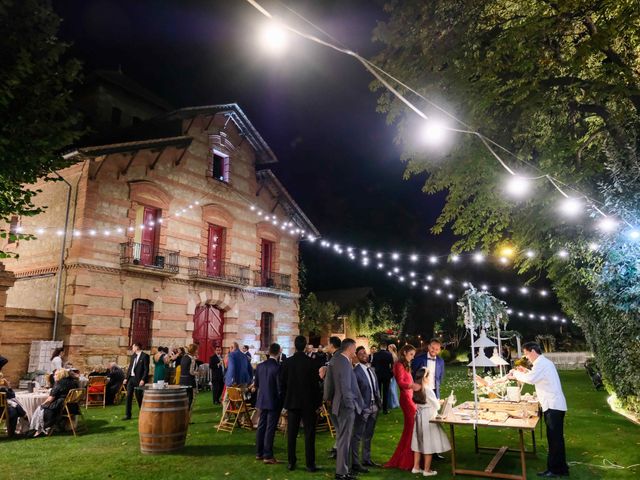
548 389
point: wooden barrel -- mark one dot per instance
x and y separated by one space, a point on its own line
164 419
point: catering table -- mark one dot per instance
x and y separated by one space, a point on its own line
31 401
456 418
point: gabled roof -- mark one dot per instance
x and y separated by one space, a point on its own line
263 152
285 200
97 151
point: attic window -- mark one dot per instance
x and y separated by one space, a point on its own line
219 166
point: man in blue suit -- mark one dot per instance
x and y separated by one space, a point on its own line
431 361
269 403
365 422
239 370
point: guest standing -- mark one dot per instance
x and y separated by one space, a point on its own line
239 370
56 363
382 363
333 347
431 360
160 361
545 377
428 438
403 456
341 390
392 398
301 393
269 403
365 423
216 367
137 375
188 370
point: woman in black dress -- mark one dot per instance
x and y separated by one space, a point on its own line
188 369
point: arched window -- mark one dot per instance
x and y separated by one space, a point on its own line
266 330
141 314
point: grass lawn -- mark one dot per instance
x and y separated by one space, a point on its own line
110 449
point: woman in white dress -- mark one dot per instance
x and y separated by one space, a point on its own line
428 438
393 400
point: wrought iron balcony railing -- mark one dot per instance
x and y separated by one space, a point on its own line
278 281
206 268
140 255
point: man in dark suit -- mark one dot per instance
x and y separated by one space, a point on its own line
365 423
216 368
299 381
269 403
382 363
137 375
431 360
341 389
116 379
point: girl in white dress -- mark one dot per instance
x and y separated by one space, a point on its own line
428 438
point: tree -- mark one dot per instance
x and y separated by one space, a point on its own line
316 316
556 83
36 121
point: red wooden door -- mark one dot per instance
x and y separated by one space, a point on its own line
214 251
149 237
207 330
267 259
140 330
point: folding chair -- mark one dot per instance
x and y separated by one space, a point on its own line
4 414
75 396
236 412
324 421
120 396
96 392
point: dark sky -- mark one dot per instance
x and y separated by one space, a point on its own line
313 106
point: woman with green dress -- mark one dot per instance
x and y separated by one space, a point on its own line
160 361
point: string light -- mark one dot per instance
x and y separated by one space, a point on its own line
571 206
607 224
517 186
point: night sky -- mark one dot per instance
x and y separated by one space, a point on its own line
313 106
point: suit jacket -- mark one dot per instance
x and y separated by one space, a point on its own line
239 371
299 381
216 367
341 385
421 361
142 368
267 382
382 363
365 389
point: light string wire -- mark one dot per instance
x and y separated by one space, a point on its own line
378 73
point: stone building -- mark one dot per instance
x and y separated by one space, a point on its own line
177 233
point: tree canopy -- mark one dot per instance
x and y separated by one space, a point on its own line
558 85
36 122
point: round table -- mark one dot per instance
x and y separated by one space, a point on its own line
31 401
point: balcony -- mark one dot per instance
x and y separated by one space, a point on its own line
138 257
277 281
216 271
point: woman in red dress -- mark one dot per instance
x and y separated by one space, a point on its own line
403 456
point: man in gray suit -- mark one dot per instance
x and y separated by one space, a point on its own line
341 390
365 422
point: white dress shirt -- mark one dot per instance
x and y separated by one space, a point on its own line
135 362
545 377
431 366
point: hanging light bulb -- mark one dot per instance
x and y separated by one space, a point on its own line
570 206
455 258
413 258
396 270
563 253
380 265
434 132
524 290
378 255
634 234
273 37
446 281
478 257
429 278
503 289
517 186
395 256
607 224
543 293
438 291
40 231
425 287
530 254
433 259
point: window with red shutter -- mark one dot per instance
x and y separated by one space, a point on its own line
266 330
266 263
140 331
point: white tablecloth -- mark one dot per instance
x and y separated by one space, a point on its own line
31 401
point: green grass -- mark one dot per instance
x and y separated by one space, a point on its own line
110 448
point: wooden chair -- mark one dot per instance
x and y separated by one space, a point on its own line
4 414
324 422
75 396
236 412
121 395
96 392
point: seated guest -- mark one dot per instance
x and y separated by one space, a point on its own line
49 413
14 410
114 384
98 371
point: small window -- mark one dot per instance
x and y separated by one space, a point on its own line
116 116
141 314
266 330
220 166
13 229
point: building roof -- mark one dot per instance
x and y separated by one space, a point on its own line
120 80
285 200
97 151
345 298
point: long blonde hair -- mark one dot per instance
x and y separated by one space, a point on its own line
394 351
60 374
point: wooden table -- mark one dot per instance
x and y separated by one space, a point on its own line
511 423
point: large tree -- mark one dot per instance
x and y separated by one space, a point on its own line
557 84
36 122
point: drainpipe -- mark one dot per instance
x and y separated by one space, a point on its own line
64 243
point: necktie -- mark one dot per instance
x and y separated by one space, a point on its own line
135 362
373 385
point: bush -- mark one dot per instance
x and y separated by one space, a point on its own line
445 355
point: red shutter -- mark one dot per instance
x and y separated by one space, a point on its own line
266 262
140 331
148 242
266 330
214 251
208 323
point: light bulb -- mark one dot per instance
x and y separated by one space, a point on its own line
273 37
433 259
571 206
530 254
434 132
517 186
478 257
455 258
563 253
607 224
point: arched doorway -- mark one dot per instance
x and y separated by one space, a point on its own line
208 322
